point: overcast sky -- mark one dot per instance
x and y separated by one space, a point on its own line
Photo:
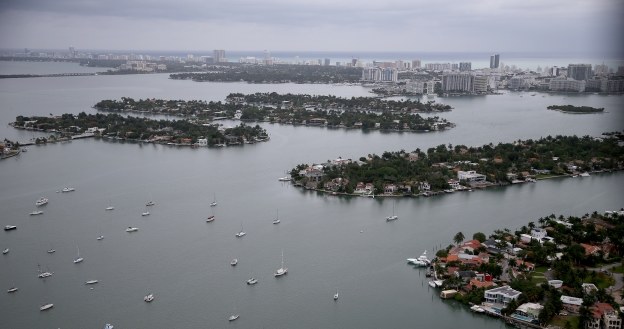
323 25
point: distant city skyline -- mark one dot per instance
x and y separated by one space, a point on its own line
349 25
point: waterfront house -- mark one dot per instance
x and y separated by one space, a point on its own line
603 316
454 184
571 304
202 142
424 186
335 184
588 288
476 284
590 250
313 173
470 176
390 189
501 295
527 312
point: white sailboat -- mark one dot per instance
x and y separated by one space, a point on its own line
43 275
211 217
91 282
145 213
214 201
234 262
282 270
6 251
78 259
393 217
276 220
42 201
110 206
149 298
233 317
46 307
241 233
336 295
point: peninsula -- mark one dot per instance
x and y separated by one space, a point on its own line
367 113
563 272
115 126
575 109
456 168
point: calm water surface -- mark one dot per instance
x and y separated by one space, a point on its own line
329 243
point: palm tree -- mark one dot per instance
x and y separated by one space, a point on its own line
459 238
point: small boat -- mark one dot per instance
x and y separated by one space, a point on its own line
145 213
46 307
101 237
438 283
477 308
44 275
68 189
336 295
10 227
241 233
41 201
51 251
233 317
252 281
78 259
432 284
282 270
210 218
285 179
234 262
91 282
132 229
12 290
36 212
214 201
393 217
149 298
149 203
585 174
108 326
276 220
5 251
110 208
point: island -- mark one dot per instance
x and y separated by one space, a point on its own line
448 168
575 109
557 271
118 127
365 113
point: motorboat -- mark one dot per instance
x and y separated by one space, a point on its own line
12 290
432 284
149 203
214 201
241 233
149 298
110 208
276 220
438 283
234 262
477 308
91 282
101 237
210 218
10 227
252 281
68 189
36 212
46 307
108 326
5 251
132 229
43 275
336 295
145 213
233 317
422 260
282 270
51 251
41 201
585 174
285 179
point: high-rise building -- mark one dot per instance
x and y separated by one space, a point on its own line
72 52
219 56
465 66
567 85
580 71
380 74
415 64
326 61
494 61
601 69
480 84
458 82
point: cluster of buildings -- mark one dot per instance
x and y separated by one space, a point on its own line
142 66
573 78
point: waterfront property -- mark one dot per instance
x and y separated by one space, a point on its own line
501 295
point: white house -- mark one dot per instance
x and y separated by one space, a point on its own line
470 176
501 295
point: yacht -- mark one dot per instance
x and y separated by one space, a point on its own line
51 251
41 201
477 308
422 260
12 290
252 281
36 212
149 298
214 201
145 213
110 208
132 229
336 295
149 203
91 282
5 251
393 217
234 262
78 259
432 284
46 307
10 227
68 189
241 233
276 220
233 317
282 270
43 275
285 179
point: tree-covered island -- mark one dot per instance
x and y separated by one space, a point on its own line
115 126
558 271
448 168
275 74
366 113
575 109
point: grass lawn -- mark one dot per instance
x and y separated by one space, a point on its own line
600 280
538 275
560 321
618 269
